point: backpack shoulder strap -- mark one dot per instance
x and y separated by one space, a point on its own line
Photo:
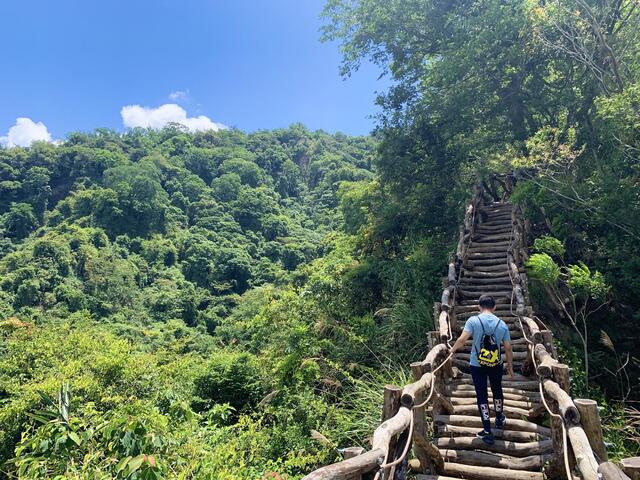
497 325
481 324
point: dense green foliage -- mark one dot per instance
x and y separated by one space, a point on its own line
551 89
195 293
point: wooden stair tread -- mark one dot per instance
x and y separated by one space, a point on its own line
515 449
474 421
481 473
489 459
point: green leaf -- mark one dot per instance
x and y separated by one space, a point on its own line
135 463
123 463
76 439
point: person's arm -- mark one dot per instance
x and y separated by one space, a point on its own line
464 336
508 351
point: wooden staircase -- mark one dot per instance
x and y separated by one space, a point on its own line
436 416
524 446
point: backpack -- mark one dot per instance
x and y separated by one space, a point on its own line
489 354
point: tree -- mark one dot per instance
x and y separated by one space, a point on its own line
574 289
19 221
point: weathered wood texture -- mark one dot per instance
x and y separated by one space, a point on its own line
533 330
352 452
515 449
610 471
583 454
567 408
443 324
631 467
590 419
421 377
544 361
483 459
487 473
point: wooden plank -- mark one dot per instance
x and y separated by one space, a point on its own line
511 435
488 473
483 459
474 421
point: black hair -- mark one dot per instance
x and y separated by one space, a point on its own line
487 301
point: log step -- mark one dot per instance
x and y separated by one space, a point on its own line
503 282
481 274
510 412
506 222
493 237
515 449
446 431
524 404
473 421
496 206
471 309
483 227
480 263
458 389
485 291
457 470
484 255
486 268
471 393
505 300
491 243
531 385
484 459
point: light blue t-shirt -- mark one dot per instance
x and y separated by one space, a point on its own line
490 323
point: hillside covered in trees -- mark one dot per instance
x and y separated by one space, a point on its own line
182 290
226 305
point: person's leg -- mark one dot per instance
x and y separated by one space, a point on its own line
495 378
479 376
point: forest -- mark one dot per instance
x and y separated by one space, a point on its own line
226 305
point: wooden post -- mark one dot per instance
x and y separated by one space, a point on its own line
561 376
557 459
351 452
443 325
433 339
392 395
631 467
590 419
419 428
452 276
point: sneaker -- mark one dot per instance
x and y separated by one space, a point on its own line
487 437
500 421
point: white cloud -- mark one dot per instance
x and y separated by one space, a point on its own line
179 95
137 116
24 133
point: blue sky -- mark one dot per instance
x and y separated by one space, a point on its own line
252 64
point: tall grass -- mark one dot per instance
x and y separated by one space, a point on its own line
360 409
